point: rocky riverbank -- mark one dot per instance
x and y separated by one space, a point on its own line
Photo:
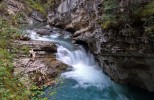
43 68
123 46
119 33
34 61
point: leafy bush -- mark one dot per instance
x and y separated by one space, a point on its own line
109 17
146 15
40 5
148 10
10 87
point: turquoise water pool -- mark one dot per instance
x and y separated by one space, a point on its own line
69 91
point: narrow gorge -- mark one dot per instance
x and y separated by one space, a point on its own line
77 49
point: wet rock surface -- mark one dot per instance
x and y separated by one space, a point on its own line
126 58
43 69
50 30
134 70
20 8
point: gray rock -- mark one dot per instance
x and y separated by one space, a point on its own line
42 69
130 70
67 6
43 32
125 60
38 16
75 14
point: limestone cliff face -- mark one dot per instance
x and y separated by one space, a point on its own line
122 46
75 14
119 33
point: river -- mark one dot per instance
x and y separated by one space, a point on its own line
84 79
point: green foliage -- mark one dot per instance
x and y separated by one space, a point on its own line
2 8
35 4
13 19
110 6
109 17
25 49
10 87
37 92
40 5
50 4
149 25
148 10
146 15
6 33
127 19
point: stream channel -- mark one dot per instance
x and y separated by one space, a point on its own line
84 79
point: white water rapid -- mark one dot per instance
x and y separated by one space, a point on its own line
85 80
87 72
85 69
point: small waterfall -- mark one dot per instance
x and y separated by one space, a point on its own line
85 69
34 36
87 73
85 80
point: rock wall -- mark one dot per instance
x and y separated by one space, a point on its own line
74 14
124 47
124 50
41 69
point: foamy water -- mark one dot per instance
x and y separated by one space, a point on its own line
85 80
85 70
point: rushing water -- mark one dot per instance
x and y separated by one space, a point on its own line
85 80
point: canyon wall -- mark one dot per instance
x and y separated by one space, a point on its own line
119 33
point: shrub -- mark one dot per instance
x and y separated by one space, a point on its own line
10 87
109 17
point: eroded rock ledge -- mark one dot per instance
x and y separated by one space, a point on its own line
43 69
83 17
127 47
135 70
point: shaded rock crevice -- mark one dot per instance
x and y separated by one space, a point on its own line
122 46
124 50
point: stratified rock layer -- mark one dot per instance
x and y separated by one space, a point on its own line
43 69
126 58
